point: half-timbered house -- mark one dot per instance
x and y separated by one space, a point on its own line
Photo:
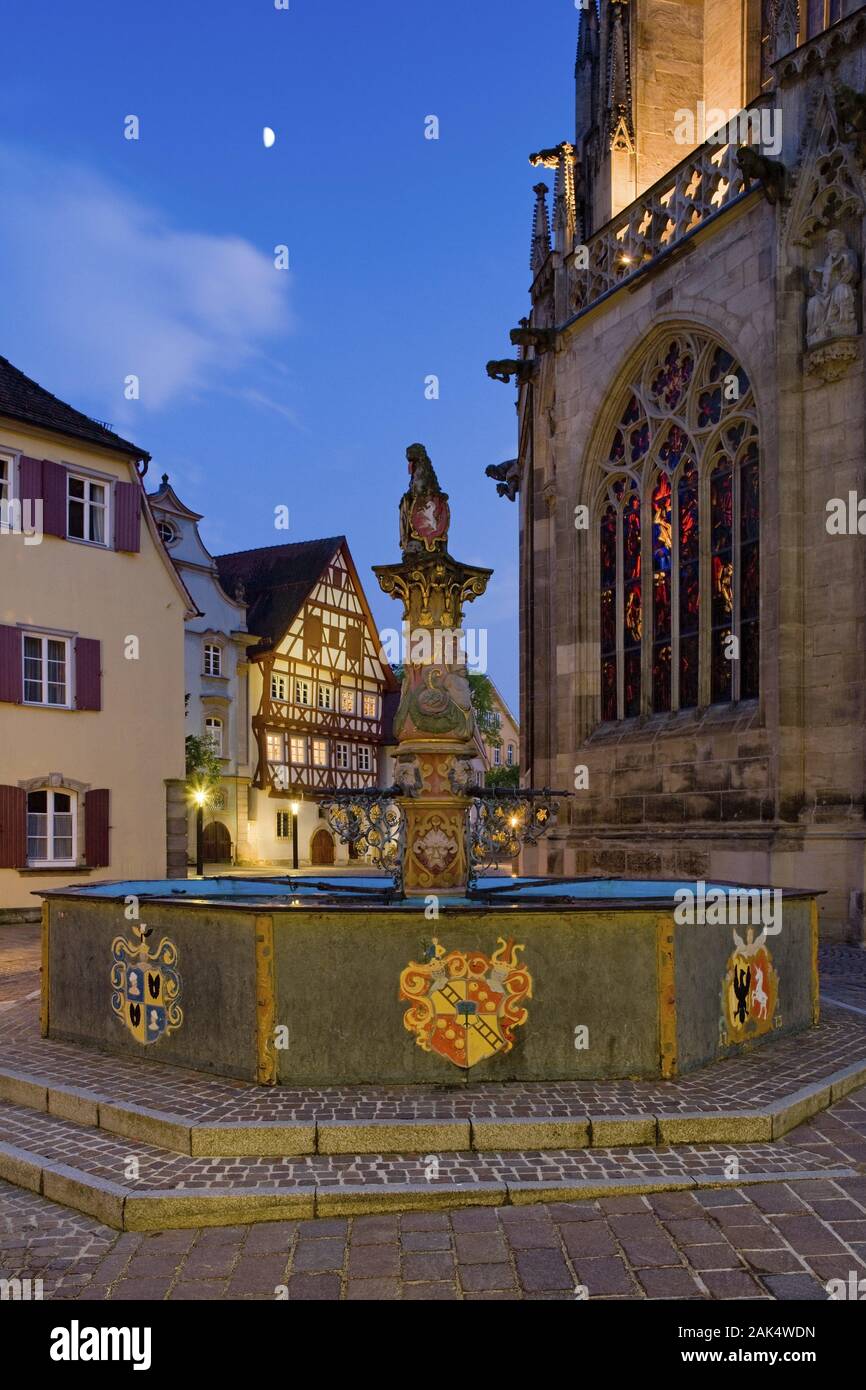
321 694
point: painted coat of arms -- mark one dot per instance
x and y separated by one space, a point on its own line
750 989
465 1005
145 988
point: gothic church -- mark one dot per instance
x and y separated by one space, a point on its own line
692 435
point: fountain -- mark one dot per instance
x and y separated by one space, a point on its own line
439 966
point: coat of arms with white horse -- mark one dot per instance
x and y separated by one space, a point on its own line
751 988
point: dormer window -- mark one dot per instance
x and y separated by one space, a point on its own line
168 532
213 659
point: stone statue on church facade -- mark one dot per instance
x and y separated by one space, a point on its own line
831 309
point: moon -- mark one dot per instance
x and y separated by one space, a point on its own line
268 137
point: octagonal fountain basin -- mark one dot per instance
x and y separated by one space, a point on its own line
339 980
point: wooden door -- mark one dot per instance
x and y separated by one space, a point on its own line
217 843
322 849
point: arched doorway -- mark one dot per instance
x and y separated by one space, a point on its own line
322 849
217 843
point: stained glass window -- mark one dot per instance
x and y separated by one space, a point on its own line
662 543
632 603
608 613
686 444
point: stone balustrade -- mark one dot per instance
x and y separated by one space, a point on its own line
703 185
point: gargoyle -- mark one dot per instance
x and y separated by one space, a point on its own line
771 174
509 367
851 115
542 339
507 476
549 159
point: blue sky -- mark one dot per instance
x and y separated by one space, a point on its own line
408 256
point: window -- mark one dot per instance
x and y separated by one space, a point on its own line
87 510
51 829
299 750
213 659
278 687
320 752
370 706
497 756
213 729
681 496
326 697
284 825
343 756
46 664
347 702
275 747
5 479
365 759
167 533
820 14
302 692
509 756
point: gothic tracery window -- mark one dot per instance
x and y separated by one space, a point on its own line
678 518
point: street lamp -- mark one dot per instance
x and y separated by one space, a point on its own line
296 806
199 797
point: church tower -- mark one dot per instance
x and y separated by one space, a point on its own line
639 62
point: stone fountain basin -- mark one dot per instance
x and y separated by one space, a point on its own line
298 983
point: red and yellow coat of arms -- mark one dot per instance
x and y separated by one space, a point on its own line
466 1005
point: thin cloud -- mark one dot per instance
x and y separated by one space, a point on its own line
101 286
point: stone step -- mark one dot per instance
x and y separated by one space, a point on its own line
496 1129
146 1187
758 1096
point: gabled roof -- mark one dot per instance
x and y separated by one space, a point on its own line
166 498
23 399
277 580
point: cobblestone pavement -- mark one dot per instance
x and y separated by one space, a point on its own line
20 953
756 1080
843 975
779 1241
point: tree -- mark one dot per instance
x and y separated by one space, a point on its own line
202 764
503 777
483 697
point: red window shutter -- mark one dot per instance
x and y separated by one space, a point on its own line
13 828
88 673
127 516
30 478
53 498
96 829
11 656
45 481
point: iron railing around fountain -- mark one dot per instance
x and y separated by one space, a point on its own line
371 821
502 820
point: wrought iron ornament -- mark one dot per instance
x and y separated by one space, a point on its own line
500 822
373 823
